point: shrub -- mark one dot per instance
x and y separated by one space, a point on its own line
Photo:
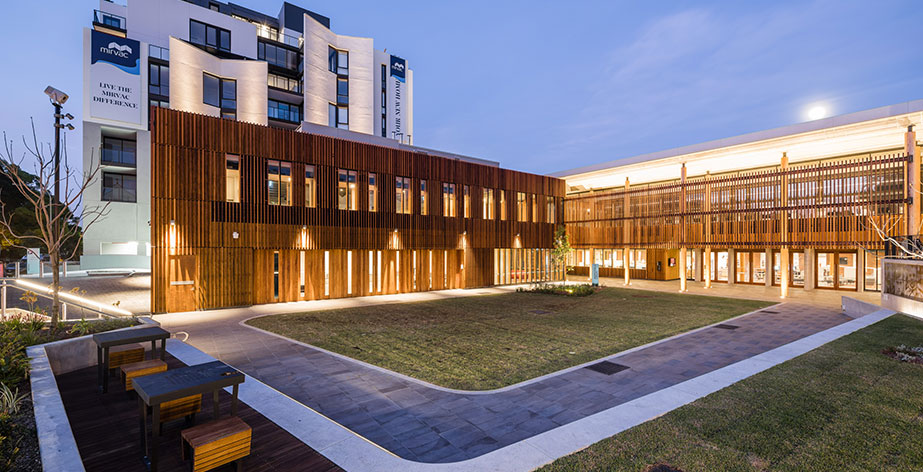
573 290
10 400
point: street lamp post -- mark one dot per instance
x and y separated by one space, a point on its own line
58 98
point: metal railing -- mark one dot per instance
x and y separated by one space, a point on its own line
71 304
279 37
110 20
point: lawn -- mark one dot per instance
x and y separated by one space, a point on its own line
843 407
490 341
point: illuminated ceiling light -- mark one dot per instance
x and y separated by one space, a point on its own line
172 223
817 112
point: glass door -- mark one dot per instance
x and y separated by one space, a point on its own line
826 275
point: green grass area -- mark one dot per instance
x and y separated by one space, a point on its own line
490 341
843 407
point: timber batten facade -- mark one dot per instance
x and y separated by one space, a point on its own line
208 252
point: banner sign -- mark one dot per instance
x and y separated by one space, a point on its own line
115 78
396 89
594 274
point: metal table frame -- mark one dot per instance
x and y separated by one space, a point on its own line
105 341
216 375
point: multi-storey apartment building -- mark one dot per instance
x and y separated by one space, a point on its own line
220 59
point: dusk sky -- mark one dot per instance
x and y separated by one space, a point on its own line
548 86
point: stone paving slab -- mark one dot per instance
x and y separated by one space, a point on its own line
421 423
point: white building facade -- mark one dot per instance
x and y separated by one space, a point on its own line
220 59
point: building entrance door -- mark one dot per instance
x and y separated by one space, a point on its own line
183 281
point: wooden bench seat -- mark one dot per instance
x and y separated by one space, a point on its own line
216 443
180 408
125 354
139 369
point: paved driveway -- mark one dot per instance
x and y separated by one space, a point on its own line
424 423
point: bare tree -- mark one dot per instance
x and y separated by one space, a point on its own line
58 230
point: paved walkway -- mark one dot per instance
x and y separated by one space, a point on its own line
419 422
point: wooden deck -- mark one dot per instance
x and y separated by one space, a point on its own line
106 429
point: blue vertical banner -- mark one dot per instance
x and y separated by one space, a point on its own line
594 275
398 76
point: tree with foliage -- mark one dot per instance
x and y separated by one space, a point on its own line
562 248
53 226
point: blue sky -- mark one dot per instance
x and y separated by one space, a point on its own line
547 86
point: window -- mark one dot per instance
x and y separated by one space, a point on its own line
467 202
522 209
209 36
347 189
342 91
214 7
221 93
284 111
232 178
373 195
275 275
338 61
402 203
338 116
119 187
159 103
117 151
488 203
423 206
279 182
448 200
284 83
503 205
534 208
278 56
158 79
550 214
309 187
211 90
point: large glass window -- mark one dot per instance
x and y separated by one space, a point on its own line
278 56
373 194
158 79
284 111
846 270
522 207
119 187
402 202
549 210
342 91
759 267
448 200
338 61
347 189
797 269
310 187
221 93
118 151
210 36
872 271
338 116
825 274
719 266
284 83
424 204
279 181
742 266
232 178
487 202
503 205
467 202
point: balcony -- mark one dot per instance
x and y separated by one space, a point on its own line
109 23
273 34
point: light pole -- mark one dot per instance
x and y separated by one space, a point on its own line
58 98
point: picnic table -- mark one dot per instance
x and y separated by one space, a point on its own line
105 341
173 384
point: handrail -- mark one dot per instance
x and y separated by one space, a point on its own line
101 310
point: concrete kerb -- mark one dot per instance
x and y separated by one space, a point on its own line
353 452
57 445
496 390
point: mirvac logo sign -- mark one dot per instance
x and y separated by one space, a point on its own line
395 101
115 78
